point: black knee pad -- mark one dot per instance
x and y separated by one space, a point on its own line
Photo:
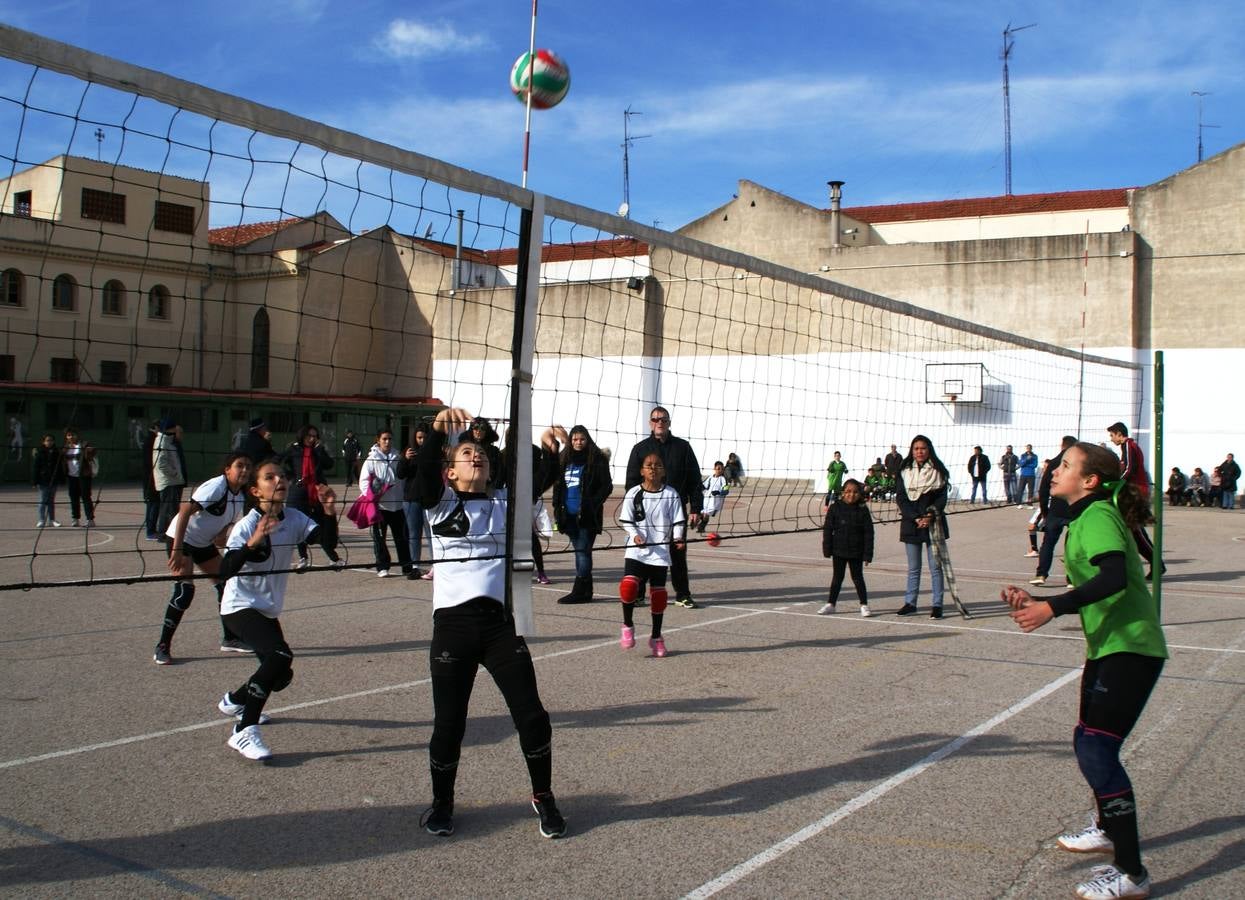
1098 755
183 595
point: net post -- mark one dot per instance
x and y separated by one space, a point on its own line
519 481
1158 494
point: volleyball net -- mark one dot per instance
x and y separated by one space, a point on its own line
172 254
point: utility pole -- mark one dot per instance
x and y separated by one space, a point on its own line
1008 43
624 209
1200 125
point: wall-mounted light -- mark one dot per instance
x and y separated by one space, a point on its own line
635 283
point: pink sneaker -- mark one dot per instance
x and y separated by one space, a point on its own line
658 646
627 640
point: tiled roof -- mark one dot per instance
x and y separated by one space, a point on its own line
241 235
1016 204
614 248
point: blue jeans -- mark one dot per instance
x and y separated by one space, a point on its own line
414 528
914 574
982 482
1050 539
1009 487
1229 498
47 503
581 540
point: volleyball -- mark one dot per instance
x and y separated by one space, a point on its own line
550 78
712 539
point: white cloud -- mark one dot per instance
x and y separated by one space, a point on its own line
408 39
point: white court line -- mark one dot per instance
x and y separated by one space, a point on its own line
198 726
746 868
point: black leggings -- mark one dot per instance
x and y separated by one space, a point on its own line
391 520
464 637
857 568
276 660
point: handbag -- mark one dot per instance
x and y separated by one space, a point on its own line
365 511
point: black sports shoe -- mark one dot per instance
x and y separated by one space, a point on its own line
438 819
936 612
161 656
906 610
552 825
686 602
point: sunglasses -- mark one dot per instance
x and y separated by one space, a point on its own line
660 419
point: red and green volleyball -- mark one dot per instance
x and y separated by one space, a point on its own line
550 79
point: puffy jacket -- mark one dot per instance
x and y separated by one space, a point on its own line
848 532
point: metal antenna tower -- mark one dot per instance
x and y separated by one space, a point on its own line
1200 124
1008 43
628 139
99 143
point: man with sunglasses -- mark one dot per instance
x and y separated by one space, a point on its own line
682 474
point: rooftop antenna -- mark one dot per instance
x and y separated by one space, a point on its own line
624 208
1200 124
99 143
1008 43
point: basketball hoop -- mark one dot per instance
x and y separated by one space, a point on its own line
951 398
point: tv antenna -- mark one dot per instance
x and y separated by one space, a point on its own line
1008 43
1200 124
99 144
624 208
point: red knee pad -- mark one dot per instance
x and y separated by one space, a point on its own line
657 604
629 588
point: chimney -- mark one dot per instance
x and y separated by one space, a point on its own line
836 194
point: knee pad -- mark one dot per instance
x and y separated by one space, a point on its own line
286 674
183 595
629 588
1098 755
657 603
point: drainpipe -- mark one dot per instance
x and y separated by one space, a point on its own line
458 254
836 194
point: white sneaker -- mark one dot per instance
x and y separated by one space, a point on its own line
1109 883
40 524
303 562
235 710
383 573
864 611
76 524
250 743
1031 553
56 524
827 610
1040 580
1090 839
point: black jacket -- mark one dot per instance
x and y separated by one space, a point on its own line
46 469
1052 507
978 465
910 510
292 463
682 468
595 486
257 447
848 532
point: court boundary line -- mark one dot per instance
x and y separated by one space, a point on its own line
795 840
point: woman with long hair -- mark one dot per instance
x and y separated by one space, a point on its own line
921 493
582 486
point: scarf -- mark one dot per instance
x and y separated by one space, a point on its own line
309 475
918 480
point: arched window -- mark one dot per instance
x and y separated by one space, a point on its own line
259 350
12 287
65 293
158 302
113 302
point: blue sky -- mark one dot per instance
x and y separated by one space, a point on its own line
902 100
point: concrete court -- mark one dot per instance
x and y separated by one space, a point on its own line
773 753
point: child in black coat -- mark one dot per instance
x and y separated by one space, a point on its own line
847 538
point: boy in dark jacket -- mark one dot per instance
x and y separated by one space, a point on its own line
847 538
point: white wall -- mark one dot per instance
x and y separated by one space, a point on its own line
977 228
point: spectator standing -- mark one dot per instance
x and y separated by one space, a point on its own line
834 479
1009 463
978 469
1028 475
306 464
46 473
168 472
350 453
893 463
1052 513
1229 474
79 461
151 497
921 493
379 475
257 445
847 540
1133 466
408 470
683 474
583 485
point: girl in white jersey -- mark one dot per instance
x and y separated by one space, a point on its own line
471 625
652 515
255 570
193 535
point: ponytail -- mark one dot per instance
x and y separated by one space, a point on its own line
1127 497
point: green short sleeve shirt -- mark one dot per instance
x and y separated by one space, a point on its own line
1125 622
